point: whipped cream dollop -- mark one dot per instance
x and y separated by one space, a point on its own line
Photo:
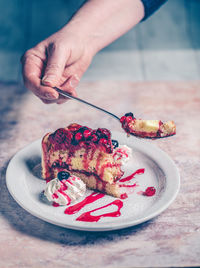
66 191
123 153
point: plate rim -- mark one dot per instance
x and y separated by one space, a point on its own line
135 143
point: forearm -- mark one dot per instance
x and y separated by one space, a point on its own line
101 22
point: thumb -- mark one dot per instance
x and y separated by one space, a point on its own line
57 58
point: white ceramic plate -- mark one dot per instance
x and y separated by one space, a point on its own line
25 184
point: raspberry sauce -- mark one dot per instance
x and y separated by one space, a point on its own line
128 185
88 200
87 217
137 172
54 204
121 152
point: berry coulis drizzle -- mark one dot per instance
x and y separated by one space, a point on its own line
54 204
87 217
137 172
88 200
91 218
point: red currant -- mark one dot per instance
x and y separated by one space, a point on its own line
150 191
78 136
82 143
103 141
87 133
129 119
123 118
104 132
94 138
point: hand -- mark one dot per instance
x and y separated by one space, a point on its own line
62 59
59 60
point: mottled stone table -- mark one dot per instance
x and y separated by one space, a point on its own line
171 239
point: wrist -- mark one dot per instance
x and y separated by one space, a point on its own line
99 23
79 36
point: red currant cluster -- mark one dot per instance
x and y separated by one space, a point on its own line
61 138
82 136
85 136
126 119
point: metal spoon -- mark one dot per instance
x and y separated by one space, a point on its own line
65 94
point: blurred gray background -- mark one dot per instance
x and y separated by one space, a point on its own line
164 47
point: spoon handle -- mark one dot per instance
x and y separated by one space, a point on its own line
65 94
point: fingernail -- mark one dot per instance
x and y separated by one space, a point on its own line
50 96
48 79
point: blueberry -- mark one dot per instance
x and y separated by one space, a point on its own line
115 143
129 114
63 175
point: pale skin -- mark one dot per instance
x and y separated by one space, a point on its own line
61 59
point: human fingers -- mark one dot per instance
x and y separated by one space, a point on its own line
57 59
69 86
48 101
73 74
32 67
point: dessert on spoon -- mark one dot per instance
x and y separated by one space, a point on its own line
137 127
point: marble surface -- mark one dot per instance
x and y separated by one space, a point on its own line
171 239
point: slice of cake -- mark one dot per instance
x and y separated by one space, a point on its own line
147 128
86 153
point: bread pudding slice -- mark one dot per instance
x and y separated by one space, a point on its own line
147 128
86 153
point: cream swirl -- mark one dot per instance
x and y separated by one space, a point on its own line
65 191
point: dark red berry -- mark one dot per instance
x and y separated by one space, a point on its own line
82 143
59 135
94 138
78 136
108 147
150 191
123 118
98 132
69 136
87 133
129 119
103 141
104 132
